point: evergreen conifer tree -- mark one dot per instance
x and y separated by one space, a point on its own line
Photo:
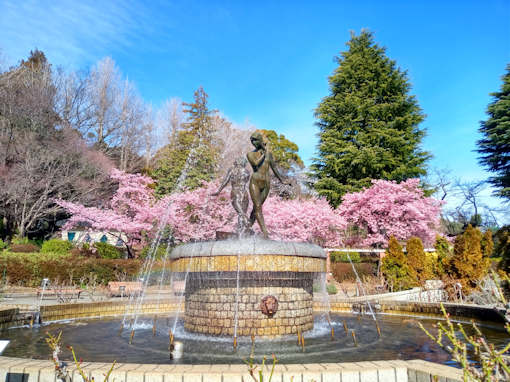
395 268
420 268
369 123
494 147
469 263
193 155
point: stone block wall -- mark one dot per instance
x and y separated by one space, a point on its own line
104 309
212 303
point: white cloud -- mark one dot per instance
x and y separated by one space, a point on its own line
70 32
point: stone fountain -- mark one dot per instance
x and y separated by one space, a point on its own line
263 287
249 285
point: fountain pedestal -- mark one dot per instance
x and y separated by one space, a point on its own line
228 284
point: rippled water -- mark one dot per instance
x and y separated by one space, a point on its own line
98 340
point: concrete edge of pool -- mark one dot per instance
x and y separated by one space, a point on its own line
28 370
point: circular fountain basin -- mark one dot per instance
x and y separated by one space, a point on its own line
97 340
248 286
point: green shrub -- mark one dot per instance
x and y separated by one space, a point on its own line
107 251
420 268
331 288
160 252
56 246
502 247
28 269
469 264
395 268
3 245
23 240
487 244
444 254
343 257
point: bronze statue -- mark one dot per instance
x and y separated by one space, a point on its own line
238 177
260 160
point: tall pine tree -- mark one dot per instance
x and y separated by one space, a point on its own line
495 144
368 123
192 156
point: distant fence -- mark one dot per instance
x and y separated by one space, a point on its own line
367 250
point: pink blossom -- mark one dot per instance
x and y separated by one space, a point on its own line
133 210
195 215
388 208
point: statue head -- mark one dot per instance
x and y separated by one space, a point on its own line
258 139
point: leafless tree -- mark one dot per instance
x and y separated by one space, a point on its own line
470 207
104 92
42 156
132 114
45 171
72 103
232 140
441 181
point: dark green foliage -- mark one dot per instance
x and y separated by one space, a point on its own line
468 264
419 264
160 252
3 245
192 155
56 246
331 288
494 147
343 257
487 245
502 247
444 254
107 251
368 124
395 268
284 151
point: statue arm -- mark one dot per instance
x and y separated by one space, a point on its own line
275 170
224 183
254 161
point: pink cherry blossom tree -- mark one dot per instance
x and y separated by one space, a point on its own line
132 213
195 215
388 208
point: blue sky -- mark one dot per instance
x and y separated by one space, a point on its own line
267 62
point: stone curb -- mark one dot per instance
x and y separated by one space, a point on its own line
28 370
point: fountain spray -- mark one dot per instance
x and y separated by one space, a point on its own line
131 336
354 338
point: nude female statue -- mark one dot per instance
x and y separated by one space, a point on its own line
260 160
238 177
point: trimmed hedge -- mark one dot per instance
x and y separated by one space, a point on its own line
160 252
28 269
343 257
107 251
56 246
